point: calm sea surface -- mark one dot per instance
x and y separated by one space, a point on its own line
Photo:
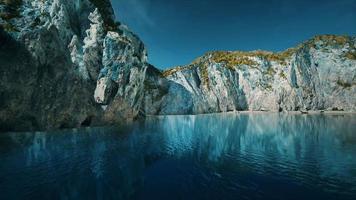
220 156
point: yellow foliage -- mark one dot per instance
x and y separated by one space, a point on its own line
171 71
271 71
232 59
350 55
332 39
204 74
283 75
329 40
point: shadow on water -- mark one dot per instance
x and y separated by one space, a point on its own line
229 156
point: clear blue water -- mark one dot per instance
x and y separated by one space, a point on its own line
222 156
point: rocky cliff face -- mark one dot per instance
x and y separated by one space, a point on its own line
319 74
66 63
163 96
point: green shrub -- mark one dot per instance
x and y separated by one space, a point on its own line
232 59
204 74
198 63
238 57
332 39
329 40
173 70
350 55
268 87
283 75
270 71
343 84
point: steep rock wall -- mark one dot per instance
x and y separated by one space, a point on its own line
67 63
319 74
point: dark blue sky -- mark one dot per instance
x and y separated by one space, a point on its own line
177 31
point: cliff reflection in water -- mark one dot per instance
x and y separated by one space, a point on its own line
213 154
265 139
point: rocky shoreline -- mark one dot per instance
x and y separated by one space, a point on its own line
269 112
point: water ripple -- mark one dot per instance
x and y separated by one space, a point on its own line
229 156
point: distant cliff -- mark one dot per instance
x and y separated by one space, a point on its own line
319 74
68 63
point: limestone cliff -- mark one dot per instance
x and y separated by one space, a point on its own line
67 63
319 74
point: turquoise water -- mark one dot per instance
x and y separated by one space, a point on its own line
222 156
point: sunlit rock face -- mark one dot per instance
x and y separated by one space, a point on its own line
163 96
317 75
63 61
67 63
122 77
